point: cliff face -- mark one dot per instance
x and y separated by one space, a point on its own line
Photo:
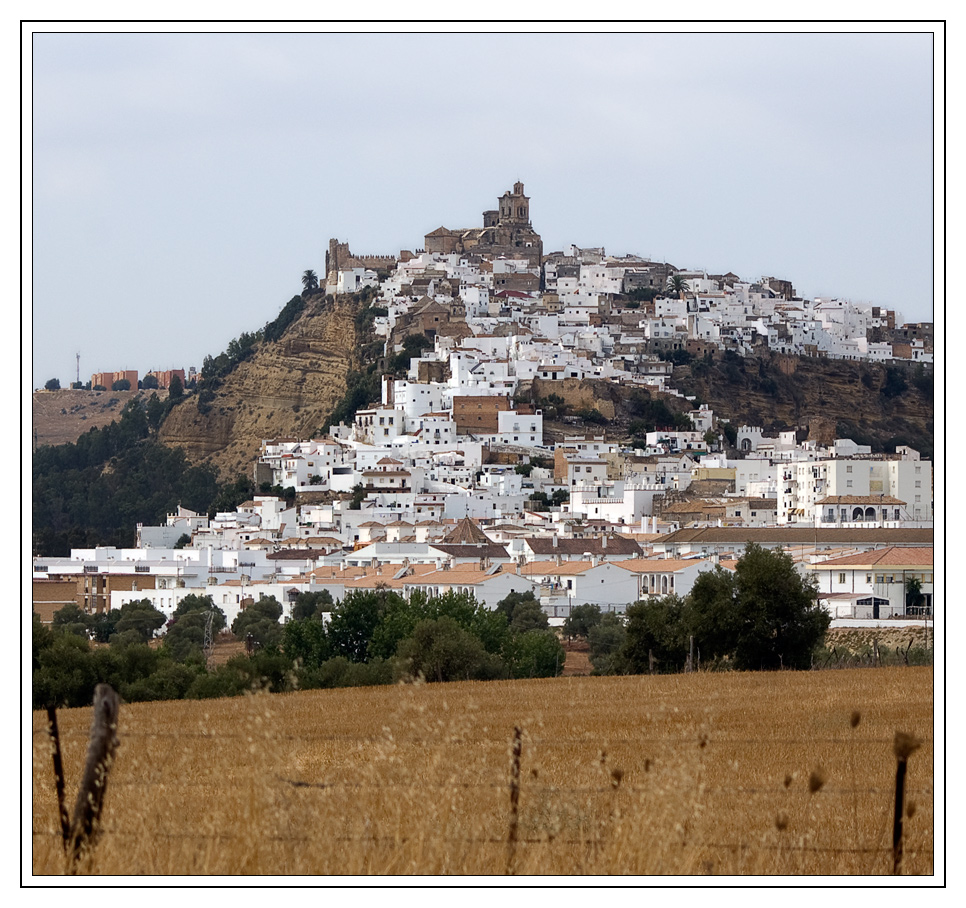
831 398
285 388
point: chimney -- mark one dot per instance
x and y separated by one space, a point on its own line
554 540
603 541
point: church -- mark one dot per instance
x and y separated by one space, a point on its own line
507 231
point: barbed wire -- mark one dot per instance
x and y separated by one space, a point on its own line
598 841
531 786
429 740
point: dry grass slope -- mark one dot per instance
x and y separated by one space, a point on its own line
687 774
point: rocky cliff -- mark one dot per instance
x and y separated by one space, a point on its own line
876 405
284 388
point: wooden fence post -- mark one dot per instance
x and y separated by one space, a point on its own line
58 774
514 799
100 756
904 745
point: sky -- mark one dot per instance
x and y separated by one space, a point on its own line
180 183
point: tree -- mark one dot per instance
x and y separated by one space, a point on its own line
122 384
354 621
311 604
358 496
183 540
149 382
306 643
528 616
310 282
914 594
606 644
523 612
656 628
764 616
581 619
52 384
65 673
260 620
401 616
103 625
155 411
72 619
141 618
185 637
175 388
441 650
677 284
534 653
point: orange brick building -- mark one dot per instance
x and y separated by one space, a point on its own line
106 379
164 378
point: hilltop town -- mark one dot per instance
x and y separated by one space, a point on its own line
446 478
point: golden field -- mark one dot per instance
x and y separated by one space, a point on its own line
728 774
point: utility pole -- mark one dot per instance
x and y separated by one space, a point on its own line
78 368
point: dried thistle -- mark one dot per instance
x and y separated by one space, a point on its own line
789 778
781 821
703 741
816 779
616 775
856 718
905 744
911 809
647 764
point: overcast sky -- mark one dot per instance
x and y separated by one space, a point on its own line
183 182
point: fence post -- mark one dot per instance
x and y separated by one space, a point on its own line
904 745
58 773
514 799
100 756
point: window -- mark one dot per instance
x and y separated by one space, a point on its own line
848 469
841 578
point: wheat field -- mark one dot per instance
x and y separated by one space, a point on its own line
789 773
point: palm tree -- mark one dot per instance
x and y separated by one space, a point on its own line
677 284
914 595
310 282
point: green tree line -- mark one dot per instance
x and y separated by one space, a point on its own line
762 616
371 637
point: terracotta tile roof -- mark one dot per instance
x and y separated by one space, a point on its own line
656 565
532 568
466 531
894 556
